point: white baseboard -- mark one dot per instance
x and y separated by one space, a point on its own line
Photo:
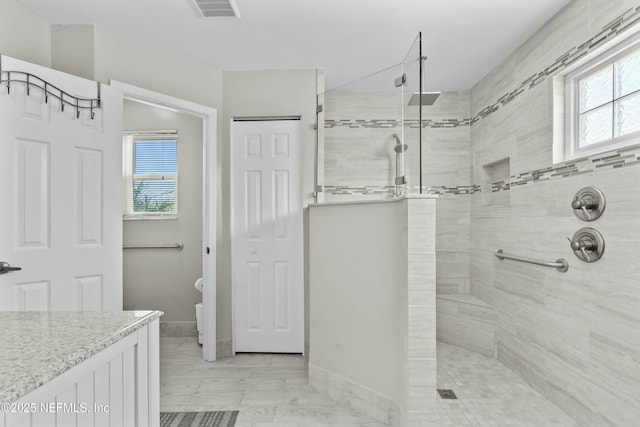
178 329
360 398
224 349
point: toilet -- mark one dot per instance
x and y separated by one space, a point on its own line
198 286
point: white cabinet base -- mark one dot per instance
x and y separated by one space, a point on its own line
117 387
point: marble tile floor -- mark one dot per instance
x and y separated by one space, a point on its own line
268 390
272 390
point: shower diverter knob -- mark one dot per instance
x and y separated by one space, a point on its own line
587 244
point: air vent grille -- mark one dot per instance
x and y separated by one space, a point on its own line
218 8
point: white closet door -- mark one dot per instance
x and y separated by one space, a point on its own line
60 213
267 249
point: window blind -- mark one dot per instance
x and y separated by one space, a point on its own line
151 174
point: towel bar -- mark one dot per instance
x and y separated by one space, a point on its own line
178 246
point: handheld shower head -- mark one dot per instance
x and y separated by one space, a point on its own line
399 148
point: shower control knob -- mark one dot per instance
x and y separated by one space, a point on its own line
585 206
588 204
587 244
582 246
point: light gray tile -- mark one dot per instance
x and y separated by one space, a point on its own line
422 373
422 398
421 225
488 394
255 414
602 12
467 332
422 276
422 331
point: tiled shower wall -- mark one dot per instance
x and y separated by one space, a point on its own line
360 163
574 336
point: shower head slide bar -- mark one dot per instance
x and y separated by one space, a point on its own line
561 264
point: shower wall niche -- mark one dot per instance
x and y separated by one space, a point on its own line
495 182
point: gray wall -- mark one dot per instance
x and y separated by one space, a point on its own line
373 263
359 269
574 336
132 61
72 49
119 57
256 93
162 279
24 35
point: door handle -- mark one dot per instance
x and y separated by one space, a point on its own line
6 268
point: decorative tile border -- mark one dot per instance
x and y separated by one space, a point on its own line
615 27
340 190
625 157
609 31
622 158
358 189
392 123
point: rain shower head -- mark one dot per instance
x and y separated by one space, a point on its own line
427 98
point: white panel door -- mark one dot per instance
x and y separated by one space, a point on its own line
267 249
60 213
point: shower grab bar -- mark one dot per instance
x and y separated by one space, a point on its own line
561 264
178 246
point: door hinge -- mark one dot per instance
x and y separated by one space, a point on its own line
208 250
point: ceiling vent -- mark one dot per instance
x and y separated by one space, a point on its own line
218 8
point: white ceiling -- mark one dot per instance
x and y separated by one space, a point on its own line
463 39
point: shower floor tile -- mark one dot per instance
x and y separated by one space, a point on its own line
272 390
489 394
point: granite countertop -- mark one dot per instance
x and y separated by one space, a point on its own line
37 346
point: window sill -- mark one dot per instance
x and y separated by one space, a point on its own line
604 149
148 217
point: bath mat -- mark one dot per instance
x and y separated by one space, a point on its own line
198 419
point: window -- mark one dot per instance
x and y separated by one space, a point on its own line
603 102
150 167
